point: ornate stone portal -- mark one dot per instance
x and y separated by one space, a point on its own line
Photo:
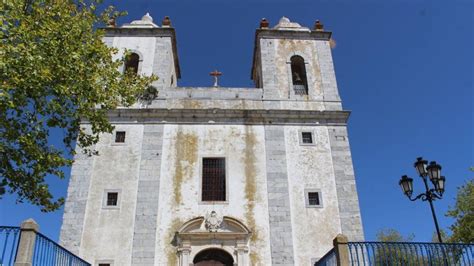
213 232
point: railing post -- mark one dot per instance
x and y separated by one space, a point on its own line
342 250
26 246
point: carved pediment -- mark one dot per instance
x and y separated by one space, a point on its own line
213 227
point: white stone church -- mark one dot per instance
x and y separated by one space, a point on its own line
214 175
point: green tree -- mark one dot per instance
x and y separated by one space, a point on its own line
54 72
392 235
390 253
463 213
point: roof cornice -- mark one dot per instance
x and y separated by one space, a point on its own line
227 116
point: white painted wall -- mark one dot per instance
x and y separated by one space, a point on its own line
311 167
183 149
108 233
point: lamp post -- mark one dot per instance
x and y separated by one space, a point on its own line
425 171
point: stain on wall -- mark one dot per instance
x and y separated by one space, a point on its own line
251 192
170 249
186 157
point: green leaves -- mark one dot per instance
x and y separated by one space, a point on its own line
54 71
463 213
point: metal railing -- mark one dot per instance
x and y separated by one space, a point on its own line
328 260
410 253
48 252
25 245
9 237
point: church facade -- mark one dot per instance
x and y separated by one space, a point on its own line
214 175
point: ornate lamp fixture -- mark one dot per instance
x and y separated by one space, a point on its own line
425 171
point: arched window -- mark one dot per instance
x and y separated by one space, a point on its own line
131 63
298 73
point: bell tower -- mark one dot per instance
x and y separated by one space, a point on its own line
153 49
292 62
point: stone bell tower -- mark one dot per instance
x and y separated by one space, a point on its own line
295 63
154 48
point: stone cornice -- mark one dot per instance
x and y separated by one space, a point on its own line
228 116
292 34
148 32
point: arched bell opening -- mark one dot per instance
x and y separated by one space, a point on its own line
213 257
131 63
298 74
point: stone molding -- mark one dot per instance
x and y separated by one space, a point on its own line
228 116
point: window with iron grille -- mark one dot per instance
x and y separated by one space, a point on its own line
112 198
307 137
213 179
313 198
120 137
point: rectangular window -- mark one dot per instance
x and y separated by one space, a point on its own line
307 137
120 137
213 179
112 198
104 264
313 198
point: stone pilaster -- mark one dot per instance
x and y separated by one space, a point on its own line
77 196
143 251
348 201
281 236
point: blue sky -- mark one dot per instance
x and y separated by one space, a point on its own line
404 69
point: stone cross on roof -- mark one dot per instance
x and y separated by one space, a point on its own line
216 75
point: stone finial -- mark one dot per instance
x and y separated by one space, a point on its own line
286 24
166 22
318 26
147 18
264 23
145 22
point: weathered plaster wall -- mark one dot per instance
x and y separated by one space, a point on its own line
184 146
156 56
276 70
109 231
143 46
311 167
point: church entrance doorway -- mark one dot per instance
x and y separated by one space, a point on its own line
213 257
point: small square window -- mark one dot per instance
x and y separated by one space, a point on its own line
307 137
112 198
313 198
104 264
120 137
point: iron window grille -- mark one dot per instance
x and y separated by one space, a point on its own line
313 199
213 179
112 198
120 137
307 137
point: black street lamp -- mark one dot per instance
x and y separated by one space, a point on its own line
425 171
